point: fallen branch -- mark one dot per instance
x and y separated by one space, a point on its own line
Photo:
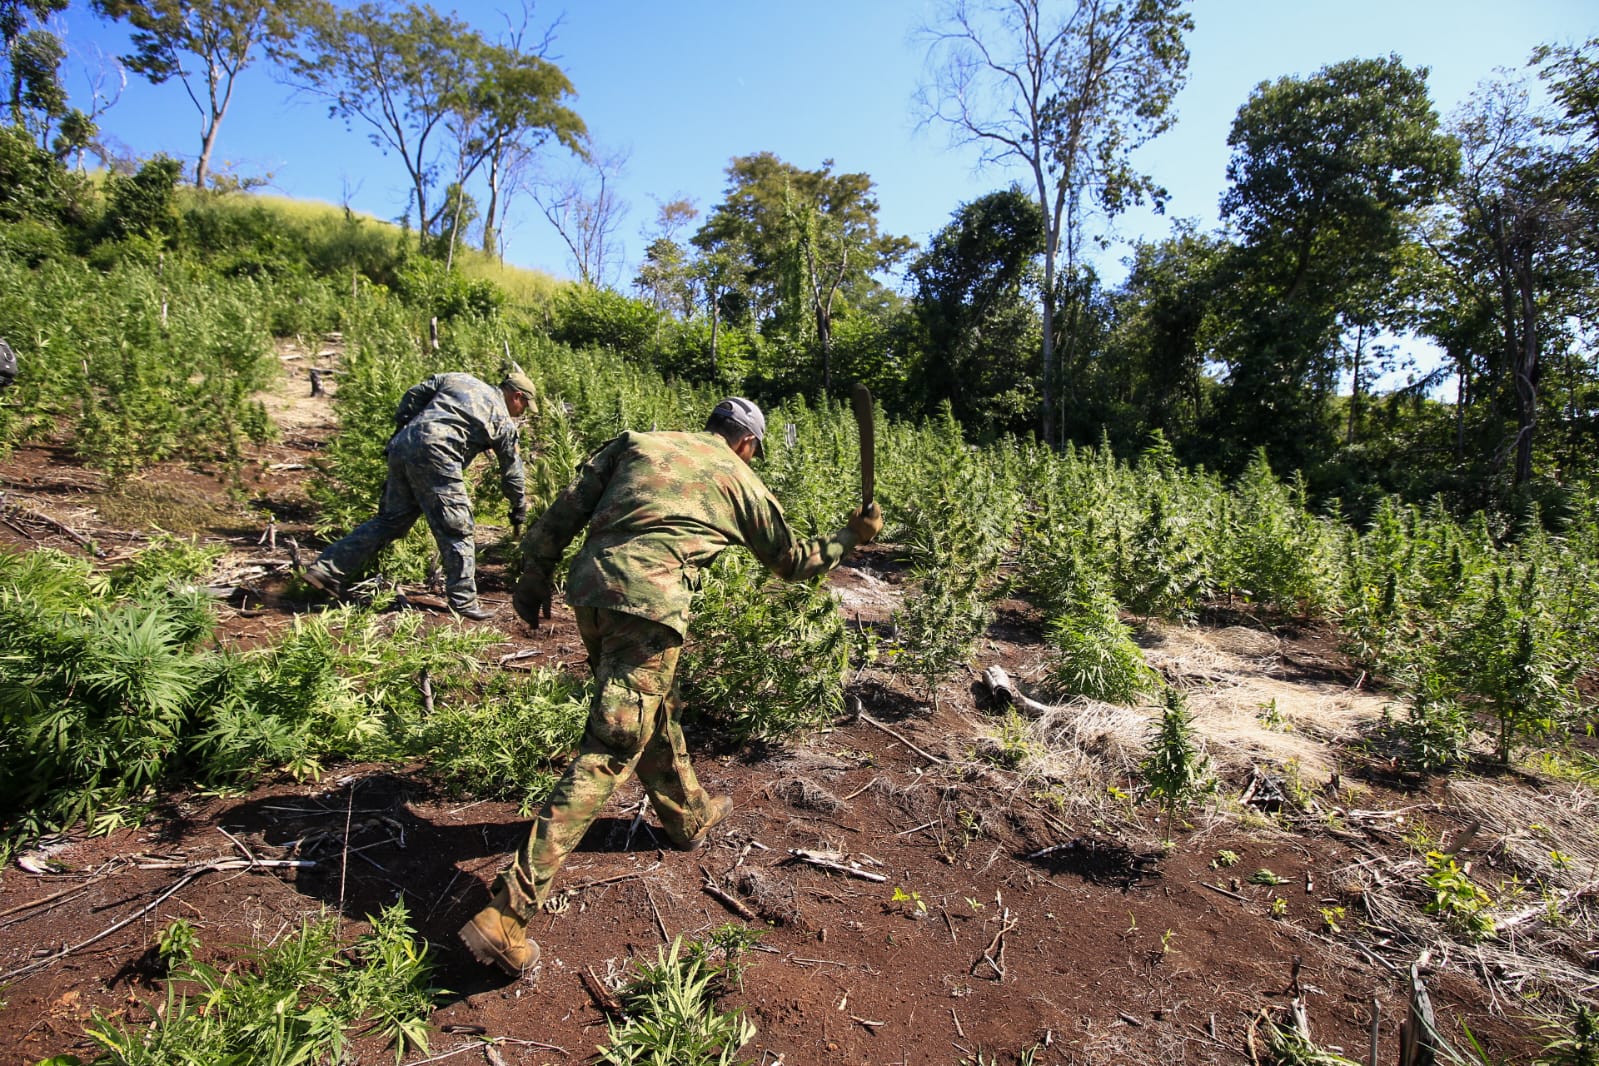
603 997
51 898
43 519
727 899
869 720
573 889
1224 891
994 954
832 860
194 872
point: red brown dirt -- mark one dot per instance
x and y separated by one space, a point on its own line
1112 951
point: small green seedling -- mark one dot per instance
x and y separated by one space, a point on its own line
913 906
1264 876
1224 858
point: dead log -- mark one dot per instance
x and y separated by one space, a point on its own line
1003 690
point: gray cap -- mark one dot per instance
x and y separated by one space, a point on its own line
746 416
516 378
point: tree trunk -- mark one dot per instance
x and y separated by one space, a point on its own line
1526 368
491 237
1354 398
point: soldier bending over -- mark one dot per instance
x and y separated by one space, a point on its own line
659 507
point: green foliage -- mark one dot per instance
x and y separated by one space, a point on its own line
1092 653
508 742
763 658
107 693
1275 552
1455 898
1509 655
1291 1045
1436 729
294 1002
956 531
1175 769
1575 1044
144 204
672 1016
587 316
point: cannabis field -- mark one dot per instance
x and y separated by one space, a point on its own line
1091 759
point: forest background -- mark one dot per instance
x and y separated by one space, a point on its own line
1365 237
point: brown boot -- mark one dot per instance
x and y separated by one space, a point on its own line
497 937
716 811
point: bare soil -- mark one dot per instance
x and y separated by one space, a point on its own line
1092 930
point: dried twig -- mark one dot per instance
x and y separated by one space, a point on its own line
665 937
832 860
193 872
727 899
994 954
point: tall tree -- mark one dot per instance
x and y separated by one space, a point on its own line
1068 97
581 202
666 278
975 304
31 54
517 103
1516 254
1165 334
1327 172
402 73
810 242
205 45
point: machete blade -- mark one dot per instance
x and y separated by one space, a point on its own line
861 400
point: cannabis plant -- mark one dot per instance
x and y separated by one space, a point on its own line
1175 768
763 658
1507 653
294 1002
672 1016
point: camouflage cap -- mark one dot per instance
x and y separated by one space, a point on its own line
517 379
746 416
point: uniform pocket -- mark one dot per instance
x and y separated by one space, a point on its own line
618 720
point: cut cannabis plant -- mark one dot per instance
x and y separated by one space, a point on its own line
294 1002
764 658
672 1016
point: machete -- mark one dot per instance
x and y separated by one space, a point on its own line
861 399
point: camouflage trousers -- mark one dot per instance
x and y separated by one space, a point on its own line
632 727
414 489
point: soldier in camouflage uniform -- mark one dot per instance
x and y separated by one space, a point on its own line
440 427
659 508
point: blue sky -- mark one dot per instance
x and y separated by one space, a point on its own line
684 87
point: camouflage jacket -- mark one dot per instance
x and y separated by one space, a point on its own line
451 419
660 507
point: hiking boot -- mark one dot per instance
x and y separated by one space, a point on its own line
718 811
476 612
321 579
496 937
